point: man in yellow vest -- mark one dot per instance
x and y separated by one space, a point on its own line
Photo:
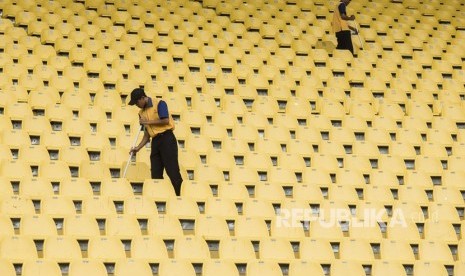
342 28
159 126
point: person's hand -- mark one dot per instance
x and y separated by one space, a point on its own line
352 17
133 151
143 121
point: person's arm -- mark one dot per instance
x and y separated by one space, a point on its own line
343 12
156 122
142 143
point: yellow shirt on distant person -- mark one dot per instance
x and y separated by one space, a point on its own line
339 24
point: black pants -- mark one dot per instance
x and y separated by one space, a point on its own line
344 41
164 155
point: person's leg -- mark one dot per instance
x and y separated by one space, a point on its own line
350 46
156 163
344 41
340 41
169 157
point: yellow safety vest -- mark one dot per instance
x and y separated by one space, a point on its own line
339 24
151 113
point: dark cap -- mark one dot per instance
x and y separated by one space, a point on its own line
136 95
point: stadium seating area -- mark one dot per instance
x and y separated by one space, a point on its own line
297 158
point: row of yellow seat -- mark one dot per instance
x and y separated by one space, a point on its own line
238 164
233 111
345 185
321 230
323 203
226 267
196 250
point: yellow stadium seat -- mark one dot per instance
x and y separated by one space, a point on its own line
7 268
131 266
16 50
19 110
435 230
56 170
16 169
80 226
444 212
165 226
116 188
258 208
459 267
7 228
276 249
208 173
447 194
418 178
316 250
18 249
192 248
257 161
55 140
215 267
383 268
434 251
211 227
57 205
411 212
242 174
41 267
356 250
308 191
335 147
94 170
325 162
272 191
432 165
62 248
89 267
422 267
148 248
341 267
236 249
122 226
138 205
250 227
413 194
344 193
453 178
299 267
232 190
158 188
177 267
261 267
38 226
223 160
392 163
15 205
35 187
291 232
117 155
396 251
105 248
97 206
73 156
182 207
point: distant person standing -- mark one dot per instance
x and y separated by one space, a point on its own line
341 26
159 128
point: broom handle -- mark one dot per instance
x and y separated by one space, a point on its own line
358 34
130 154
